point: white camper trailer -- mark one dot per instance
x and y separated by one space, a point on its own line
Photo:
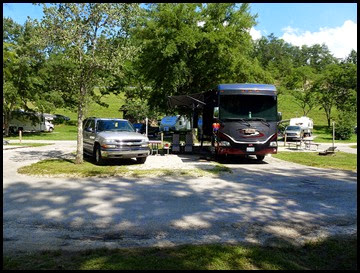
175 124
31 122
306 124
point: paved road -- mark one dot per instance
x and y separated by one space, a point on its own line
270 203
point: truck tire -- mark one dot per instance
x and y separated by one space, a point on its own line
141 160
260 157
97 155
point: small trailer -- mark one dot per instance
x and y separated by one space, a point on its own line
31 122
176 123
306 124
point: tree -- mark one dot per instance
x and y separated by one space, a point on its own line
22 62
336 86
193 47
300 83
90 41
352 58
275 55
317 56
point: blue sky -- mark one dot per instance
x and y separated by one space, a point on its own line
334 24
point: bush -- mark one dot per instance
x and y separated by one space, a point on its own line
344 127
71 122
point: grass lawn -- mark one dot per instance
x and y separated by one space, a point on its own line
61 132
340 160
29 144
337 253
324 135
67 167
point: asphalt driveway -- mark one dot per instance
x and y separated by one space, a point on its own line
271 203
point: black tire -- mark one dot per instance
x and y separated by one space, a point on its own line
97 155
85 155
141 160
260 157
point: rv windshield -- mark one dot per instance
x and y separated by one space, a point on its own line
248 107
114 125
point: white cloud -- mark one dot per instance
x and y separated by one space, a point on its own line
340 40
255 34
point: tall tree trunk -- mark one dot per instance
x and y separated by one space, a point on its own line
79 147
6 122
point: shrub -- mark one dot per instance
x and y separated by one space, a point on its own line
344 126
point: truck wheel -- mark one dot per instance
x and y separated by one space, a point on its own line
97 155
141 160
260 157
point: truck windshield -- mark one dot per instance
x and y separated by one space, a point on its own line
293 128
114 125
248 107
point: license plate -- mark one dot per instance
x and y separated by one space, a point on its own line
250 149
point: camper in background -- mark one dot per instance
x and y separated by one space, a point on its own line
175 124
306 124
31 122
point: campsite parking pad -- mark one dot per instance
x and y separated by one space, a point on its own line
270 203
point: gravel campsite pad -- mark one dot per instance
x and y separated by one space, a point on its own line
272 203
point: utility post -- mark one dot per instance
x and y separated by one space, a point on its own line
333 134
146 125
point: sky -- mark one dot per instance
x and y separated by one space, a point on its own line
334 24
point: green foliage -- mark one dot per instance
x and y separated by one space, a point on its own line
194 47
22 82
87 46
300 83
344 125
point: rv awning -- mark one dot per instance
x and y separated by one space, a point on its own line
189 100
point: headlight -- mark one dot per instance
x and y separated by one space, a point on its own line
145 145
273 144
110 141
108 146
224 143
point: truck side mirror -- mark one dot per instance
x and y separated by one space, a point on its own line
279 116
216 112
89 129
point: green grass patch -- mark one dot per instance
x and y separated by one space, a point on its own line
29 144
353 146
96 110
61 132
339 160
324 134
337 253
68 168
